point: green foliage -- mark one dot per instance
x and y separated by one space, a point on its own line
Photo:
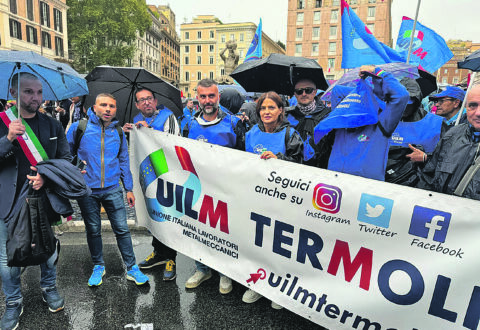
103 32
281 44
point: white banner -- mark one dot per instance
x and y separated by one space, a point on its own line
341 250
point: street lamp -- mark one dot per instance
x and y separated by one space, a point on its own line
86 59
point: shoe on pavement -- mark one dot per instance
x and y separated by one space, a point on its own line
11 316
276 306
97 275
170 271
52 298
225 285
251 296
197 279
153 260
137 276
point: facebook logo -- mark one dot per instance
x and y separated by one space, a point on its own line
375 210
429 223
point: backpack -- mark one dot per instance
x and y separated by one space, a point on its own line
82 127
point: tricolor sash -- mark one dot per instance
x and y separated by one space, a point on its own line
29 142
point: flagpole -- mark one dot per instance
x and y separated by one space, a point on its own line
413 32
460 112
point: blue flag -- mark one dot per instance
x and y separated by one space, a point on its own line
255 50
359 45
429 50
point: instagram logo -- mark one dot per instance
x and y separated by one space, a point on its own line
327 198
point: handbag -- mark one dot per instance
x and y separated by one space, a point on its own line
31 240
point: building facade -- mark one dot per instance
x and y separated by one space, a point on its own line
314 29
204 39
449 73
158 49
33 25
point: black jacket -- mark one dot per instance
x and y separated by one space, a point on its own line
453 156
306 126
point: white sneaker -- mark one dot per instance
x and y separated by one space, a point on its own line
276 306
197 279
251 296
225 285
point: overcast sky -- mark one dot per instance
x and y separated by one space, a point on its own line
452 19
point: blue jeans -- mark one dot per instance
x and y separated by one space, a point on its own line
204 268
11 275
114 205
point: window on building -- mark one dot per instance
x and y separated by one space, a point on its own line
316 32
199 48
372 1
371 27
187 49
222 72
57 20
32 35
334 15
455 80
331 63
301 4
210 75
336 3
318 3
241 53
332 47
355 10
299 17
241 37
46 40
314 49
298 48
187 76
187 35
59 47
44 14
333 31
199 60
211 60
316 16
211 48
13 6
232 36
30 10
371 12
299 33
353 2
456 70
445 71
199 75
187 60
444 80
330 77
222 37
15 29
199 34
212 34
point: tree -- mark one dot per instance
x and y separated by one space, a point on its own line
281 44
103 32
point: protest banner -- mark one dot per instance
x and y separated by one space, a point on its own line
343 251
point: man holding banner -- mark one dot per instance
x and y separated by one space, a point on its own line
23 143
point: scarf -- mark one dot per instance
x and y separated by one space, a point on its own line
307 109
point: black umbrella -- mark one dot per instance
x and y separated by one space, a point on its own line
471 62
279 73
427 82
122 83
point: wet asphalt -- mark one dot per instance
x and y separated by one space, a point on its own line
118 303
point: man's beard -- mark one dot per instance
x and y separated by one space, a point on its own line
29 108
209 112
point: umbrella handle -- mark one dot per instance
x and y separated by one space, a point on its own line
291 73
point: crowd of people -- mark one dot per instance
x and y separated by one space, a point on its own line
396 141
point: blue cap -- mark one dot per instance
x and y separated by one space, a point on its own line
450 91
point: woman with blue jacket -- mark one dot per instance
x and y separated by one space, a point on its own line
273 137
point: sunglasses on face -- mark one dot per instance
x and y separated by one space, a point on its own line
307 90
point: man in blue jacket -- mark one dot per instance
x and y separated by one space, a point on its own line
104 149
215 126
161 120
15 168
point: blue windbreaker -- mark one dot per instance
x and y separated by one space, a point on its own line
99 147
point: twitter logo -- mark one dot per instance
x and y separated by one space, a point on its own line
375 210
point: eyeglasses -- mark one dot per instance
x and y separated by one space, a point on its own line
145 99
440 101
307 90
